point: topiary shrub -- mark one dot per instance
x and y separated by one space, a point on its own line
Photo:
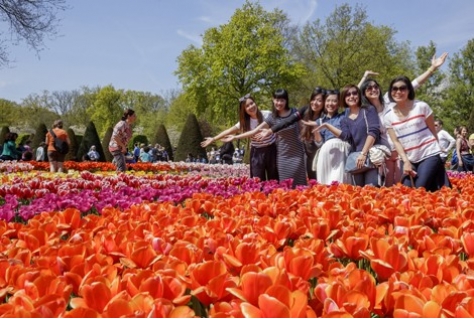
161 137
190 140
3 133
140 139
105 144
91 137
40 136
72 155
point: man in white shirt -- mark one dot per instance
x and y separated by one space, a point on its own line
446 141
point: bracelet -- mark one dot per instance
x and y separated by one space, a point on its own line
363 154
432 69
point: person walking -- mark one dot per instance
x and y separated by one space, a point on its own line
56 158
121 135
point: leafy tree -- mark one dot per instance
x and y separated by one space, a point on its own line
246 55
458 106
178 113
5 130
73 147
29 21
105 144
106 109
190 140
339 51
38 112
9 112
82 101
161 137
90 138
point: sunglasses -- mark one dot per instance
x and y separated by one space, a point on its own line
353 93
330 92
372 87
244 98
402 88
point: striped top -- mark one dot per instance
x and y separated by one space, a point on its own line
253 124
413 133
123 133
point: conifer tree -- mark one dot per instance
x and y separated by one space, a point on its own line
105 144
40 136
72 155
91 137
3 133
161 137
190 140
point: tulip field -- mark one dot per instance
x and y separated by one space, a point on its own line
199 240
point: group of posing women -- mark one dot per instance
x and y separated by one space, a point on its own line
315 141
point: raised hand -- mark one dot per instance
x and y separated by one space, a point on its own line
437 62
207 141
369 73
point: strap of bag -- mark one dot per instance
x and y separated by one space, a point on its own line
52 133
412 182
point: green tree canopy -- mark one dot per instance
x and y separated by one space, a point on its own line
338 52
246 55
459 103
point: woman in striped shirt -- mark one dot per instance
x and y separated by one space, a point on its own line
410 126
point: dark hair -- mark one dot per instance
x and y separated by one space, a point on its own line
11 136
363 88
310 115
344 91
439 121
127 113
281 94
58 124
406 80
244 118
332 92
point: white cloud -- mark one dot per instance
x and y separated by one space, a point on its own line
191 37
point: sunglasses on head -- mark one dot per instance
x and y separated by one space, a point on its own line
244 98
330 92
353 93
401 88
318 90
372 87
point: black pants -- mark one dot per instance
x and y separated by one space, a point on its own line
263 163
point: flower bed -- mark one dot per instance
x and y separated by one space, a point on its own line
117 246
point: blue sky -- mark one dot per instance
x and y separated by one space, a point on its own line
134 44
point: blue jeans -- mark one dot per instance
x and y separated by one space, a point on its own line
430 174
370 177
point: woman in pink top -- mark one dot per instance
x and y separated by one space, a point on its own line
120 137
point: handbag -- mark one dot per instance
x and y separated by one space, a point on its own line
351 164
378 153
